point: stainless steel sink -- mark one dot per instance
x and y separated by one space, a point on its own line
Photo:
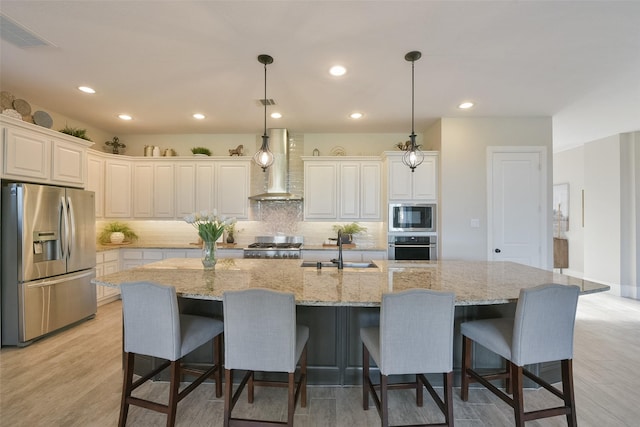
323 264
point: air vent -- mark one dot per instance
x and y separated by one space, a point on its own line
266 102
18 35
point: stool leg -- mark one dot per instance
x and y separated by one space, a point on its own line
173 392
448 398
466 364
250 388
384 405
303 371
128 360
217 360
228 395
419 393
567 391
518 398
291 394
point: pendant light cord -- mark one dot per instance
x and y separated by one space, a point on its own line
265 100
413 64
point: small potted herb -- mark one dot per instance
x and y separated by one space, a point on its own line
78 133
201 151
348 230
117 232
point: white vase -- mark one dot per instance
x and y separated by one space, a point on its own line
117 237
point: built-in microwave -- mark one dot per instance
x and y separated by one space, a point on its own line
412 217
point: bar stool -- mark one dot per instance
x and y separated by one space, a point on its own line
153 326
541 331
261 335
415 336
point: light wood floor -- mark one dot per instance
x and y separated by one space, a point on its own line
73 378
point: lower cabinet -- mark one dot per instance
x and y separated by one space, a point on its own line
349 255
107 262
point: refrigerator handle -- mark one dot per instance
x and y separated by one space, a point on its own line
64 237
72 228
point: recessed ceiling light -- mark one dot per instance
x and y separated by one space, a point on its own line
465 105
356 115
86 89
337 70
276 115
198 116
125 117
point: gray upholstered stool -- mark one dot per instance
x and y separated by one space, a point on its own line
261 335
153 326
415 336
541 331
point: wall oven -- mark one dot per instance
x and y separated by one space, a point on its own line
414 248
412 217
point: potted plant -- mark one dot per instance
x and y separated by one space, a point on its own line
77 132
201 150
117 232
348 230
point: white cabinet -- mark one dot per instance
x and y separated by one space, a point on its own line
36 154
404 185
153 187
346 189
107 262
350 255
232 188
95 180
117 203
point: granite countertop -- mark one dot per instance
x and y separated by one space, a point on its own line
474 282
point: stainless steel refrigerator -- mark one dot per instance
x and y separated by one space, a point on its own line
48 260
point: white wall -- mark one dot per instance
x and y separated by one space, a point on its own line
568 167
463 184
630 215
602 215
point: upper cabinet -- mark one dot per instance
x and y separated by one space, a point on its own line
36 154
168 188
348 188
404 185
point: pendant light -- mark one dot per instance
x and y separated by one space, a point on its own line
413 157
264 156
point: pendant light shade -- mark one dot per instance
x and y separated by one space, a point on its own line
413 157
264 156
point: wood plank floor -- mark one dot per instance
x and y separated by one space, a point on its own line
73 378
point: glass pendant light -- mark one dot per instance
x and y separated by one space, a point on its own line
264 156
413 157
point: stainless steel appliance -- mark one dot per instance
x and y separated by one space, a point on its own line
275 247
48 260
412 217
416 248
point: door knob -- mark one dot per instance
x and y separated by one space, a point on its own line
496 250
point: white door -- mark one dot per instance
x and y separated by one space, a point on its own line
517 205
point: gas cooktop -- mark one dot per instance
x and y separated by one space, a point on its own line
273 245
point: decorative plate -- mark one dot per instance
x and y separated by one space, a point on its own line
42 118
22 107
338 151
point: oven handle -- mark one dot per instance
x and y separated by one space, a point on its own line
394 245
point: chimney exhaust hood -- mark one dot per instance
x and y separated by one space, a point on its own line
278 172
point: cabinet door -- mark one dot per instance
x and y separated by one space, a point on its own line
349 194
320 190
68 163
205 181
370 189
95 181
232 185
425 181
27 154
185 191
117 202
399 180
163 178
143 190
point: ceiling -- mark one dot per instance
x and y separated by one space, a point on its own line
162 61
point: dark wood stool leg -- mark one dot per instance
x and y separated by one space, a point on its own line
384 405
419 391
303 372
228 395
567 391
291 405
518 398
250 388
448 398
173 393
217 360
466 364
128 361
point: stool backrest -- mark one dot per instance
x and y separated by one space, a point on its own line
544 323
416 332
259 330
151 320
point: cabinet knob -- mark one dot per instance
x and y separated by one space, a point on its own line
496 250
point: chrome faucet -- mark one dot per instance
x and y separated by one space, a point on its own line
340 263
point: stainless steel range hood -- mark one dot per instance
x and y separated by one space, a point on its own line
278 172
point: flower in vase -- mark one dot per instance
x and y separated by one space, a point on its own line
209 226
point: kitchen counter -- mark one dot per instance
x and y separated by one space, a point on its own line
474 282
336 304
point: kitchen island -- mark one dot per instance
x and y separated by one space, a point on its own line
336 304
